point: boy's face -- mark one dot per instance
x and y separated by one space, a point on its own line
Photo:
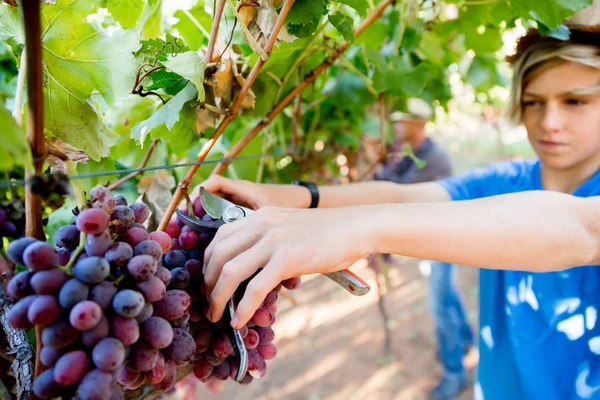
562 124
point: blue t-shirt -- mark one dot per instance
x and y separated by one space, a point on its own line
539 337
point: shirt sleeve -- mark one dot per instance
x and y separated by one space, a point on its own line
472 184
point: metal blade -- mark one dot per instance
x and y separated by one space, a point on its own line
214 206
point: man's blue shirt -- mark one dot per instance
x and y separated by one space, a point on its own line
539 334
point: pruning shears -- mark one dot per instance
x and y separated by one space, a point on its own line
225 212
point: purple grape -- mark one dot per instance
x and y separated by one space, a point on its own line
71 368
49 281
142 267
180 278
164 275
193 267
157 374
170 378
59 335
143 356
102 198
188 239
67 236
119 254
40 256
135 235
153 289
85 315
157 332
72 292
146 313
108 354
198 209
128 303
182 347
92 270
45 387
16 248
17 314
163 239
221 372
64 255
49 356
100 331
173 230
149 247
174 259
122 218
222 346
19 285
92 221
126 376
126 330
202 369
96 384
96 245
44 310
265 334
120 200
140 211
103 294
173 305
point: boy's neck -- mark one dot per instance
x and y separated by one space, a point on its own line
568 180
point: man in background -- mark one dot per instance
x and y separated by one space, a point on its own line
453 332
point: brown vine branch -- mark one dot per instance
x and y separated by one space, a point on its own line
124 179
214 31
309 78
383 149
35 137
20 350
233 110
295 120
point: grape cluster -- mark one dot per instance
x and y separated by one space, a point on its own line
12 219
120 307
215 356
103 302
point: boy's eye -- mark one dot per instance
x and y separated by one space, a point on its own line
574 102
530 103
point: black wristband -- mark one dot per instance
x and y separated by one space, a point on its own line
314 192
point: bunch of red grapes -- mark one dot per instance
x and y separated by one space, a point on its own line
120 307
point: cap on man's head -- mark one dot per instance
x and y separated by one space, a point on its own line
416 110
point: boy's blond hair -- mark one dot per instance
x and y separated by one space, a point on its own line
541 56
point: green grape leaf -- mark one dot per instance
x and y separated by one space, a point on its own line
551 13
409 83
374 35
169 82
128 111
126 12
15 149
343 24
304 12
193 26
191 66
78 60
489 41
167 114
360 6
10 24
182 135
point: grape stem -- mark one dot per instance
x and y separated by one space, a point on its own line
76 185
69 267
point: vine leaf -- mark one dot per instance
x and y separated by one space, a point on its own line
191 66
167 114
14 150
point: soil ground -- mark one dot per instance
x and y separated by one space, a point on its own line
331 344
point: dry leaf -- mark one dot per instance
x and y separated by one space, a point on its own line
224 83
75 154
247 10
155 191
250 98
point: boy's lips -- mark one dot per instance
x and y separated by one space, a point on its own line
551 144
